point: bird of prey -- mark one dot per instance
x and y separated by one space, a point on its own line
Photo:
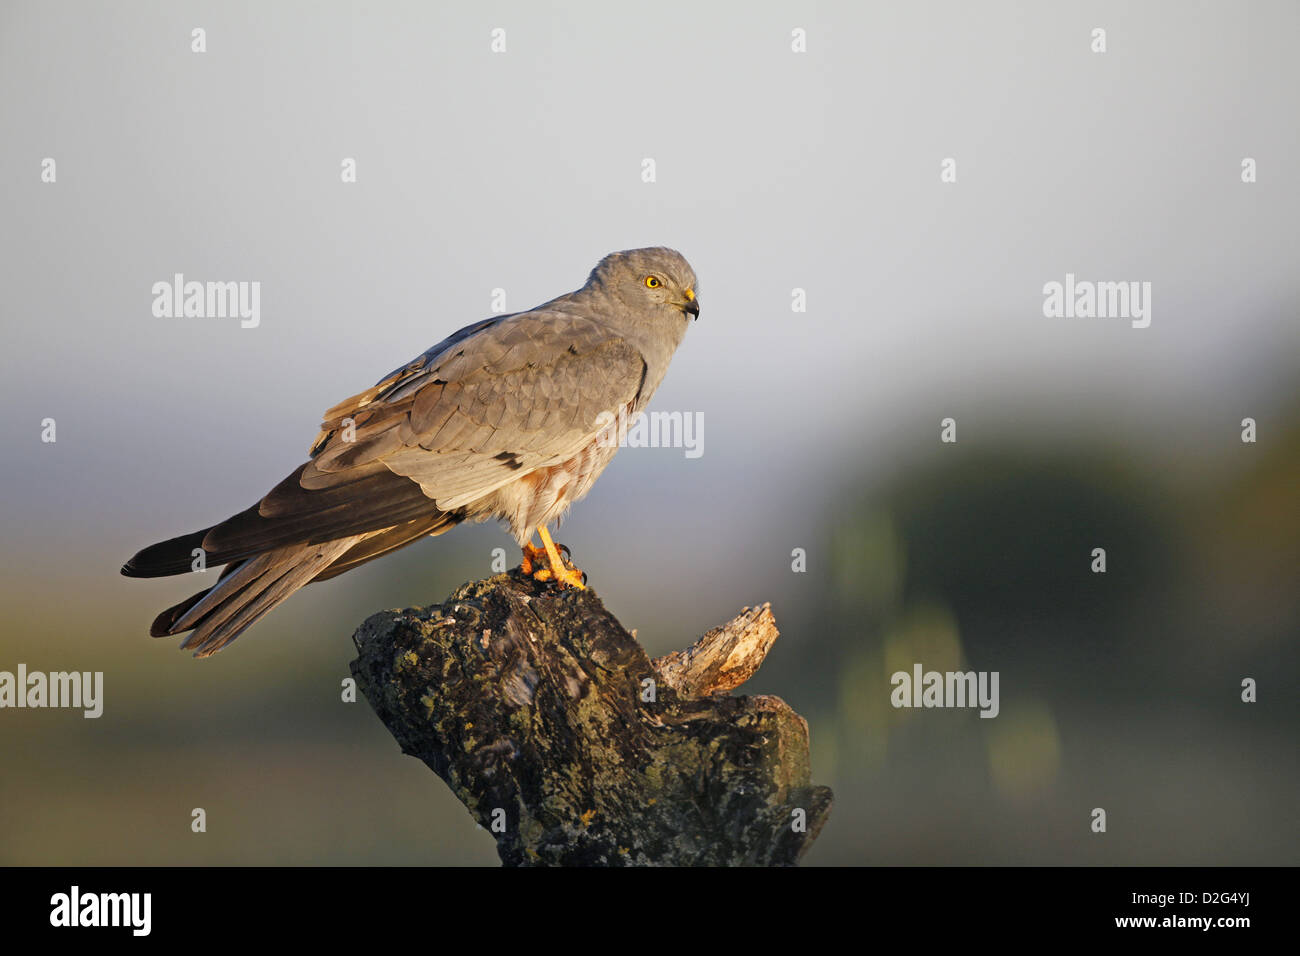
508 418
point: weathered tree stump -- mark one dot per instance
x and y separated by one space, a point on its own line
571 746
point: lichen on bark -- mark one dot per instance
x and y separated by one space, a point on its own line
571 746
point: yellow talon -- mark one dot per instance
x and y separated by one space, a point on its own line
532 556
559 572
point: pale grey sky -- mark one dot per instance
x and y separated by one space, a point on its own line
518 170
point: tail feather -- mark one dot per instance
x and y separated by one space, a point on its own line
218 605
163 624
245 593
267 559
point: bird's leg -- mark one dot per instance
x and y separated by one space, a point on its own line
532 557
561 573
541 564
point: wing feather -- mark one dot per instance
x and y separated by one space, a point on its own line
487 406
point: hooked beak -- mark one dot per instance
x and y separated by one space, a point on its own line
692 306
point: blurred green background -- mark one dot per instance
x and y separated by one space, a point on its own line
1118 690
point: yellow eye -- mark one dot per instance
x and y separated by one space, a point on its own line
652 282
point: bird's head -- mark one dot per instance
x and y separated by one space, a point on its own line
657 277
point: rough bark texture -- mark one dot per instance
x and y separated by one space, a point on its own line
570 746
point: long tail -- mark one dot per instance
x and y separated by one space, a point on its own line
250 588
246 591
294 535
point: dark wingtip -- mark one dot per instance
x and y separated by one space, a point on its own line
173 556
132 568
